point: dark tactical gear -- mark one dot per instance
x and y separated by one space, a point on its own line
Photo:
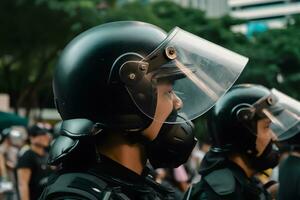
289 173
83 176
224 180
104 180
289 179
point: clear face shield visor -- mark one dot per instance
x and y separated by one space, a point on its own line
279 109
198 71
286 123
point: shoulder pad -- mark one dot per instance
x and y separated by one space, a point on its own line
221 181
60 148
76 128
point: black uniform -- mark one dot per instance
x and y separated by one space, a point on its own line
104 180
289 178
223 179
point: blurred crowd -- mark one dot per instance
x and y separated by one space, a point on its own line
23 161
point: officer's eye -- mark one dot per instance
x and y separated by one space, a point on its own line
165 81
267 125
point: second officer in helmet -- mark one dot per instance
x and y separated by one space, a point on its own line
126 92
242 125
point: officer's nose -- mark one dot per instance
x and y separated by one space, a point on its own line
274 137
177 102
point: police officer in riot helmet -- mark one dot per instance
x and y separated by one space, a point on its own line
289 146
126 92
242 126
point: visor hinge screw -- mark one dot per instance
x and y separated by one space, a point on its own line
171 53
131 76
270 101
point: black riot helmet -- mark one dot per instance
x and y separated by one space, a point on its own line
233 123
83 85
112 75
233 128
109 73
233 120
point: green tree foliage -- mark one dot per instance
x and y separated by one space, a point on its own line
31 36
274 59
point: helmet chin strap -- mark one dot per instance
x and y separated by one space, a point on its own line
268 159
173 144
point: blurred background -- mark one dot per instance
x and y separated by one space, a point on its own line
34 32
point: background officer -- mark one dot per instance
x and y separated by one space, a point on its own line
289 144
240 126
127 92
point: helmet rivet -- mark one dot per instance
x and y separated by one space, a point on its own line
131 76
171 53
143 67
270 100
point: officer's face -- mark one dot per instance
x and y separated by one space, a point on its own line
167 100
264 135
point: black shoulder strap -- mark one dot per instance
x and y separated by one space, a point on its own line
79 186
